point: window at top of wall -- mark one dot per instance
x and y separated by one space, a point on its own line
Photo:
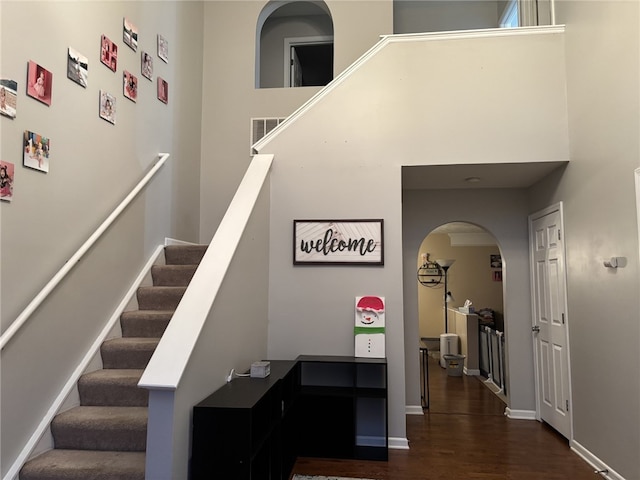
509 17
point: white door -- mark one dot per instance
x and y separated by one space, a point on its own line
550 329
295 79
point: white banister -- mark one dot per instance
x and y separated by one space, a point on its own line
69 264
170 358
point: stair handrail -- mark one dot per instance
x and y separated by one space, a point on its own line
75 258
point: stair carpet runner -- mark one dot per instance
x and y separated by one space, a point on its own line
105 437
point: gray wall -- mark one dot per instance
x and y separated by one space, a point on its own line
597 189
602 72
502 212
230 98
415 16
93 166
327 166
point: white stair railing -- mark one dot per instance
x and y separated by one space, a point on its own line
75 258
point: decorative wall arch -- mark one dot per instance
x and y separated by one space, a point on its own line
268 10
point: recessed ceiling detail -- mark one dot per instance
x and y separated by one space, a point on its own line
491 175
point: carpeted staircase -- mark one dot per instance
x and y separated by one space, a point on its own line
105 437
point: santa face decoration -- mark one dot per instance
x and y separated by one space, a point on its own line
369 328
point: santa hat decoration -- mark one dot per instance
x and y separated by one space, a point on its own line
374 304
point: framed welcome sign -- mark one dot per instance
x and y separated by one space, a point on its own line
338 242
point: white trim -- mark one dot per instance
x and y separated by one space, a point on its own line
172 354
595 462
413 410
520 414
527 13
72 381
172 241
384 41
296 41
473 372
480 33
160 433
398 443
637 177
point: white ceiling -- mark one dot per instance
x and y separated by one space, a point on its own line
459 227
502 175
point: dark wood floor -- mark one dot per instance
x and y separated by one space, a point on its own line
465 435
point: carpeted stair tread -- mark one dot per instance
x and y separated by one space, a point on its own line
113 387
172 275
145 323
184 254
130 352
61 464
159 298
101 428
105 438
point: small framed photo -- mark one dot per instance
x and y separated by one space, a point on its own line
147 65
109 53
496 261
130 34
163 49
496 275
6 181
8 97
77 67
39 83
36 151
107 107
130 85
163 90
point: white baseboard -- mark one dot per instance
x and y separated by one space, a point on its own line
41 436
172 241
598 465
520 414
471 371
413 410
398 443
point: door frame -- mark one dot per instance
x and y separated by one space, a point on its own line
532 217
296 42
637 179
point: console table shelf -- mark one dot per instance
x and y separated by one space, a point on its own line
343 401
320 406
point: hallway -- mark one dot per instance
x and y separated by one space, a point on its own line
465 435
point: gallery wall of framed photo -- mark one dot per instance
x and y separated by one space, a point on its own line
80 166
68 157
119 67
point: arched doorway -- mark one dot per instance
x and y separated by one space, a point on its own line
472 276
294 45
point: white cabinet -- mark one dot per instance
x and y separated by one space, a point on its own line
465 325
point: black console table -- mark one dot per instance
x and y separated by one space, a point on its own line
321 406
342 407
